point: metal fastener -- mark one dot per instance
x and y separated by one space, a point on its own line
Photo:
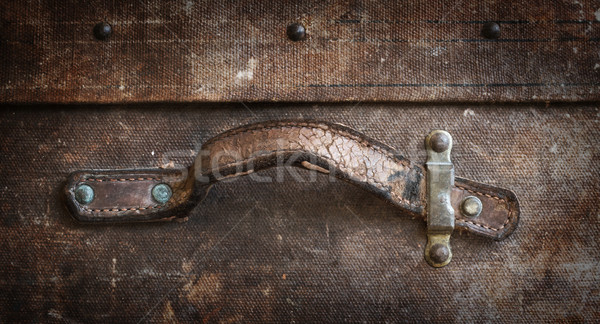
439 142
471 206
84 194
440 214
491 30
296 32
161 193
439 253
102 31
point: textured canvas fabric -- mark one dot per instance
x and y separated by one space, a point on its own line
299 250
355 50
522 109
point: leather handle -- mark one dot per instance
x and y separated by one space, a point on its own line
123 196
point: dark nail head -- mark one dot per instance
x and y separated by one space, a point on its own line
296 32
439 253
439 142
102 31
491 30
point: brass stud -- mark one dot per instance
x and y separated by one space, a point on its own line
471 207
439 253
439 142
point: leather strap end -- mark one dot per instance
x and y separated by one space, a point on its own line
499 215
127 195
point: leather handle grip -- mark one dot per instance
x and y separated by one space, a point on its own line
327 148
124 196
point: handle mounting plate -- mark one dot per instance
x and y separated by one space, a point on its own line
440 214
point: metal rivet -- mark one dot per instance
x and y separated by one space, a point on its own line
84 194
491 30
439 142
296 32
102 31
161 193
439 253
471 206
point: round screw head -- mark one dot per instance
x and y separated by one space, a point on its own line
161 193
296 32
102 31
439 142
471 206
84 194
490 30
439 253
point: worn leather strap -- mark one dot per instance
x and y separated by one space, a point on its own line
328 148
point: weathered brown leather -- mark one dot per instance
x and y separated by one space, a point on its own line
325 147
352 156
122 196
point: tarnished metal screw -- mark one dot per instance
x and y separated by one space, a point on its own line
471 206
84 194
491 30
439 253
161 193
296 32
439 142
102 31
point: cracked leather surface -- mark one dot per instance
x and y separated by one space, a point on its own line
329 148
358 159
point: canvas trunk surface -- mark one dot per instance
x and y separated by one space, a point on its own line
298 246
299 249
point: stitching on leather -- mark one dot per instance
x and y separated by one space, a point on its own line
508 219
124 209
488 227
365 144
121 180
481 194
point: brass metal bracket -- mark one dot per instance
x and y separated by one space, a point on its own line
440 214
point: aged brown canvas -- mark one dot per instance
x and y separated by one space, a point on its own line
303 247
355 50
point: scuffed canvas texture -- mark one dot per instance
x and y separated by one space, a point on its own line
522 111
355 50
298 250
